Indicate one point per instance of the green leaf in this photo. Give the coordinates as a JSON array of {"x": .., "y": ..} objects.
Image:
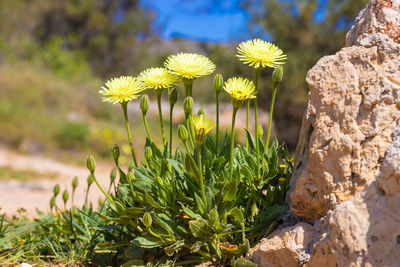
[
  {"x": 237, "y": 214},
  {"x": 191, "y": 168},
  {"x": 175, "y": 247},
  {"x": 244, "y": 263},
  {"x": 150, "y": 200},
  {"x": 229, "y": 191},
  {"x": 199, "y": 228},
  {"x": 190, "y": 213},
  {"x": 134, "y": 262},
  {"x": 197, "y": 246},
  {"x": 148, "y": 242},
  {"x": 200, "y": 204}
]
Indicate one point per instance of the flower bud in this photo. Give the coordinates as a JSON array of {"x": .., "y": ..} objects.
[
  {"x": 52, "y": 202},
  {"x": 75, "y": 183},
  {"x": 173, "y": 96},
  {"x": 113, "y": 175},
  {"x": 65, "y": 196},
  {"x": 200, "y": 136},
  {"x": 218, "y": 83},
  {"x": 131, "y": 165},
  {"x": 182, "y": 133},
  {"x": 56, "y": 189},
  {"x": 148, "y": 153},
  {"x": 130, "y": 176},
  {"x": 90, "y": 180},
  {"x": 260, "y": 131},
  {"x": 115, "y": 153},
  {"x": 147, "y": 220},
  {"x": 144, "y": 104},
  {"x": 90, "y": 164},
  {"x": 277, "y": 75},
  {"x": 188, "y": 105},
  {"x": 201, "y": 112}
]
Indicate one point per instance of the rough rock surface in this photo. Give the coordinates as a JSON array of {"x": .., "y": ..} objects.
[
  {"x": 284, "y": 248},
  {"x": 346, "y": 179}
]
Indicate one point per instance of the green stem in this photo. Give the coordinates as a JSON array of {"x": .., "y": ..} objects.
[
  {"x": 247, "y": 122},
  {"x": 217, "y": 114},
  {"x": 101, "y": 189},
  {"x": 188, "y": 126},
  {"x": 128, "y": 130},
  {"x": 256, "y": 73},
  {"x": 171, "y": 109},
  {"x": 186, "y": 147},
  {"x": 203, "y": 194},
  {"x": 147, "y": 128},
  {"x": 270, "y": 116},
  {"x": 158, "y": 93},
  {"x": 188, "y": 84},
  {"x": 232, "y": 141}
]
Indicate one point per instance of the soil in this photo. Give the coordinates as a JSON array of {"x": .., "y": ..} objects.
[{"x": 37, "y": 193}]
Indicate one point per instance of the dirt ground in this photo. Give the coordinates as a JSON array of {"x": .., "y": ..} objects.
[{"x": 37, "y": 193}]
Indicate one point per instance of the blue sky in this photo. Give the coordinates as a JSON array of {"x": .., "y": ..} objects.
[{"x": 206, "y": 20}]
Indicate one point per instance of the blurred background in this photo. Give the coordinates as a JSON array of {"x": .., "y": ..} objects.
[{"x": 56, "y": 55}]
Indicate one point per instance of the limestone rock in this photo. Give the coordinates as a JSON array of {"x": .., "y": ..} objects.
[
  {"x": 353, "y": 108},
  {"x": 284, "y": 247},
  {"x": 380, "y": 16}
]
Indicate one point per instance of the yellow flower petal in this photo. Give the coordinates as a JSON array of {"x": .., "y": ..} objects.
[
  {"x": 189, "y": 66},
  {"x": 240, "y": 88},
  {"x": 259, "y": 54},
  {"x": 122, "y": 89},
  {"x": 202, "y": 125},
  {"x": 158, "y": 78}
]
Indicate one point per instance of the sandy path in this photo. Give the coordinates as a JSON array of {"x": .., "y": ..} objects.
[{"x": 36, "y": 194}]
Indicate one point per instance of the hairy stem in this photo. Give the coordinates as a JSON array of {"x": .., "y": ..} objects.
[
  {"x": 147, "y": 128},
  {"x": 203, "y": 194},
  {"x": 270, "y": 116},
  {"x": 158, "y": 93},
  {"x": 232, "y": 141},
  {"x": 256, "y": 73}
]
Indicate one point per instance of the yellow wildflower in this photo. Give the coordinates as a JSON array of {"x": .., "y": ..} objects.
[
  {"x": 202, "y": 125},
  {"x": 283, "y": 166},
  {"x": 240, "y": 88},
  {"x": 189, "y": 66},
  {"x": 259, "y": 54},
  {"x": 158, "y": 78},
  {"x": 122, "y": 89}
]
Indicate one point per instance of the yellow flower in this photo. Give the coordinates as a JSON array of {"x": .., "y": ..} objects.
[
  {"x": 158, "y": 78},
  {"x": 240, "y": 88},
  {"x": 202, "y": 125},
  {"x": 189, "y": 66},
  {"x": 282, "y": 166},
  {"x": 259, "y": 54},
  {"x": 122, "y": 89}
]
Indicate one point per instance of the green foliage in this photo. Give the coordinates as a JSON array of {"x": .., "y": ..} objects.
[
  {"x": 73, "y": 135},
  {"x": 160, "y": 214}
]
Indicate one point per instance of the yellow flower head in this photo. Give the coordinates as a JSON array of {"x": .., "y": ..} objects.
[
  {"x": 122, "y": 89},
  {"x": 189, "y": 66},
  {"x": 158, "y": 78},
  {"x": 283, "y": 166},
  {"x": 202, "y": 125},
  {"x": 240, "y": 88},
  {"x": 259, "y": 54}
]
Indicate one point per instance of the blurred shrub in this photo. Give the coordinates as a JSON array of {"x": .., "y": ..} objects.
[{"x": 73, "y": 135}]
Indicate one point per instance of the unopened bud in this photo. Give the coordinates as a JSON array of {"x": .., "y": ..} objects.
[
  {"x": 201, "y": 112},
  {"x": 90, "y": 164},
  {"x": 113, "y": 175},
  {"x": 173, "y": 96},
  {"x": 277, "y": 75},
  {"x": 188, "y": 105},
  {"x": 130, "y": 176},
  {"x": 90, "y": 180},
  {"x": 147, "y": 220},
  {"x": 148, "y": 153},
  {"x": 131, "y": 165},
  {"x": 115, "y": 153},
  {"x": 182, "y": 133},
  {"x": 65, "y": 196},
  {"x": 218, "y": 83},
  {"x": 52, "y": 202},
  {"x": 260, "y": 131},
  {"x": 144, "y": 104},
  {"x": 56, "y": 190},
  {"x": 75, "y": 183}
]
